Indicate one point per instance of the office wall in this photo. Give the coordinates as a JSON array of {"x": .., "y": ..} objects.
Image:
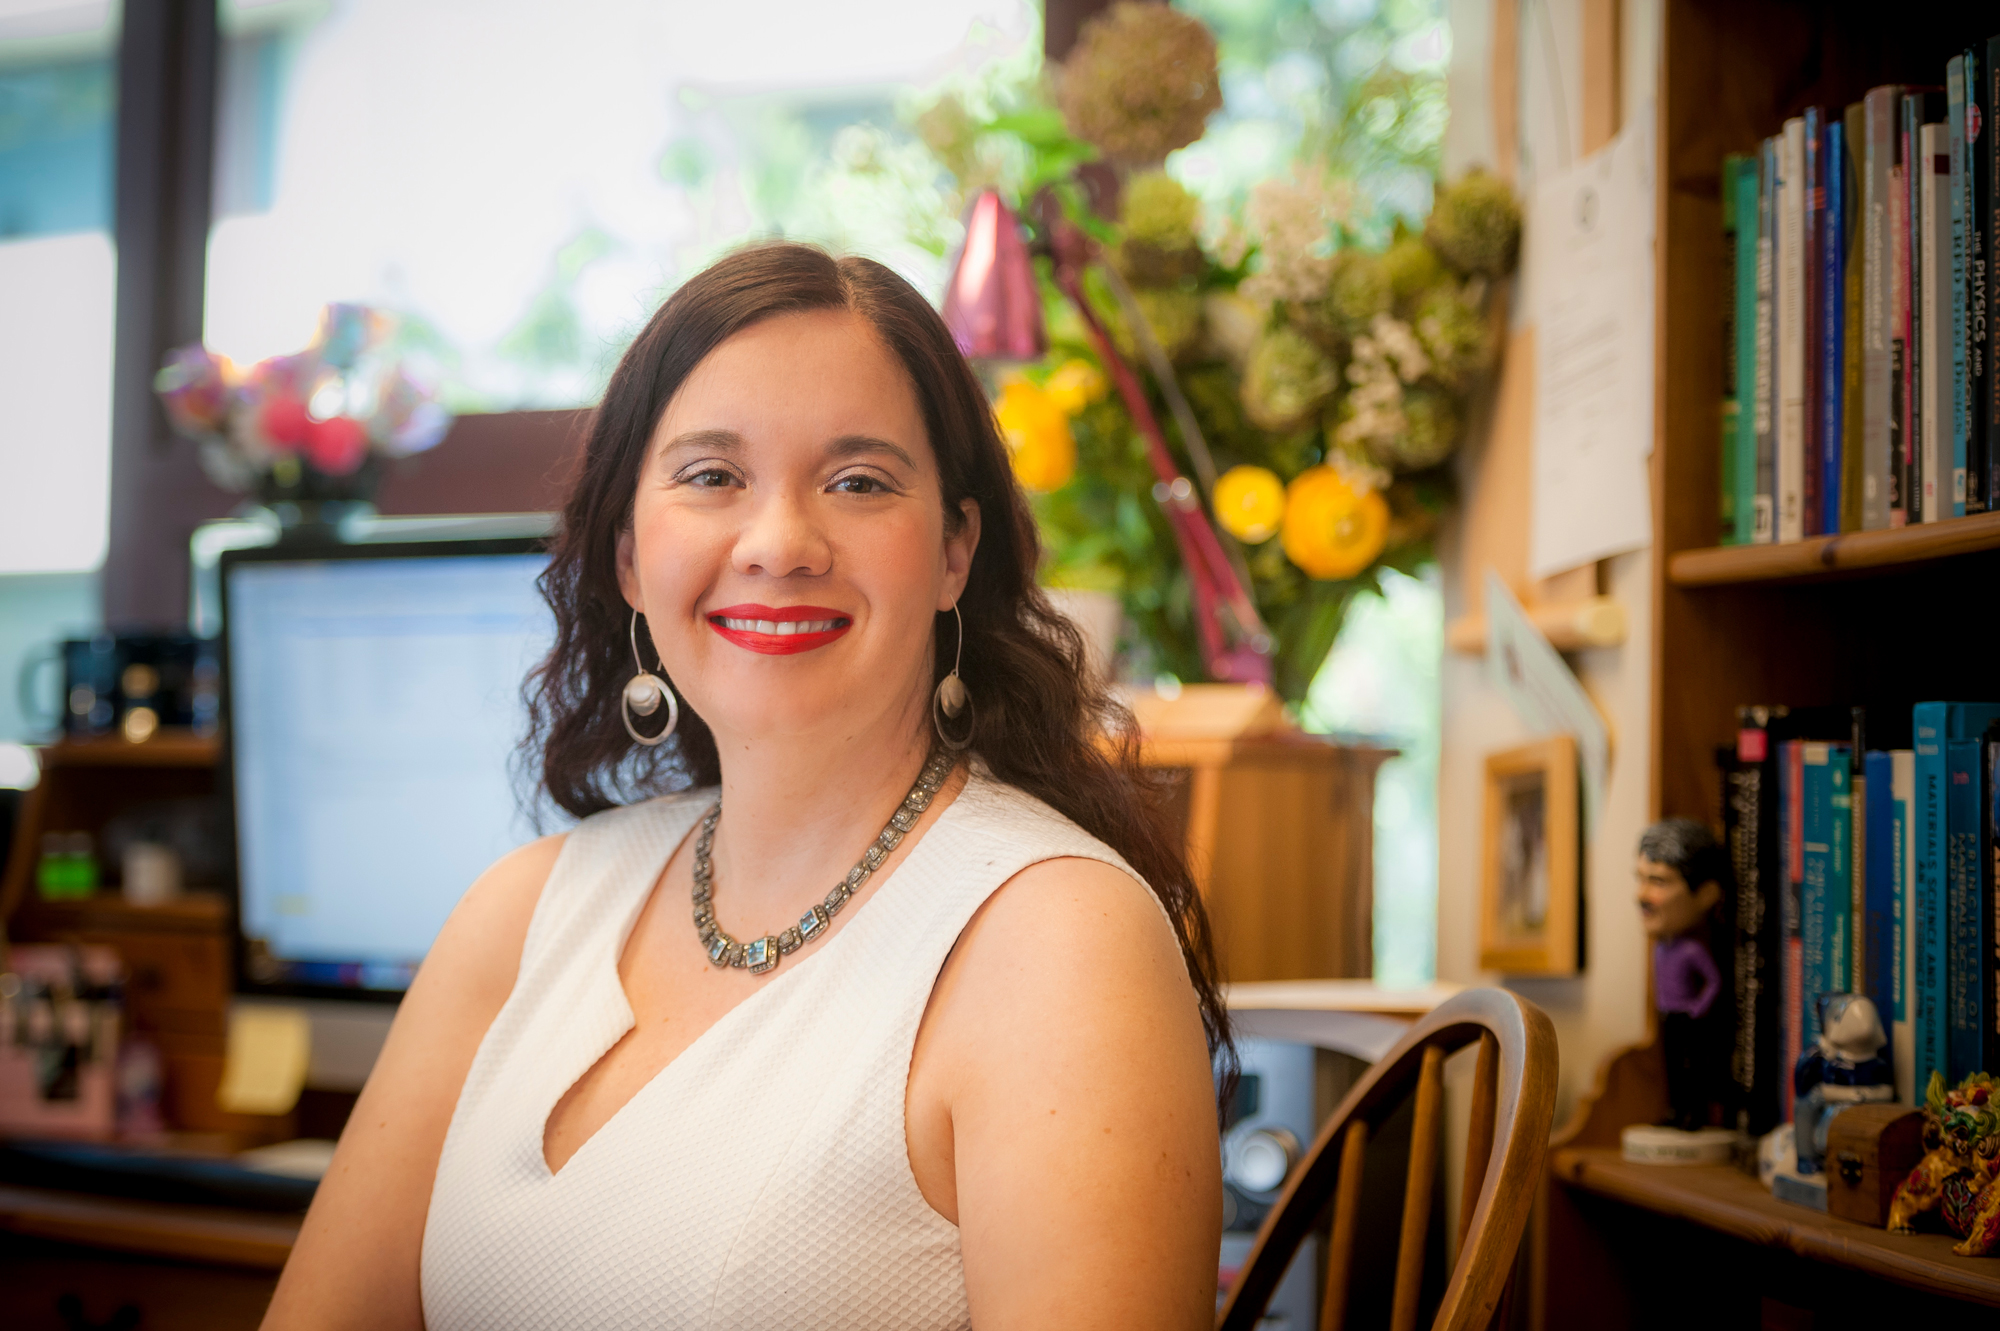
[{"x": 1604, "y": 1007}]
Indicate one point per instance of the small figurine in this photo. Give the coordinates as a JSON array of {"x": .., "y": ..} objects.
[
  {"x": 1844, "y": 1068},
  {"x": 1957, "y": 1178},
  {"x": 1683, "y": 873}
]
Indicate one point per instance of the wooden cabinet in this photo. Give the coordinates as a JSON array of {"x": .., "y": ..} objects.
[
  {"x": 1280, "y": 832},
  {"x": 178, "y": 959}
]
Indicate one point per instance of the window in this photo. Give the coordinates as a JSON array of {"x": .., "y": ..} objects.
[
  {"x": 522, "y": 183},
  {"x": 58, "y": 94}
]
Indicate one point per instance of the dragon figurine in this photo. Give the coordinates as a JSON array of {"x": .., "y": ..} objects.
[{"x": 1959, "y": 1176}]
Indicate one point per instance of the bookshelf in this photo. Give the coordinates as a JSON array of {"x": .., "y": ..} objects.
[
  {"x": 1880, "y": 618},
  {"x": 1917, "y": 550},
  {"x": 1884, "y": 619}
]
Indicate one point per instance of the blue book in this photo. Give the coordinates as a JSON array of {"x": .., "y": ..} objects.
[
  {"x": 1935, "y": 724},
  {"x": 1964, "y": 968},
  {"x": 1841, "y": 940},
  {"x": 1832, "y": 326},
  {"x": 1824, "y": 891},
  {"x": 1989, "y": 893},
  {"x": 1878, "y": 932}
]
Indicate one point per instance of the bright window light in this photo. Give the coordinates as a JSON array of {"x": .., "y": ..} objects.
[{"x": 55, "y": 402}]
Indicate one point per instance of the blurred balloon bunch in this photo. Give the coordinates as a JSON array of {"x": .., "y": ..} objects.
[
  {"x": 1322, "y": 359},
  {"x": 311, "y": 425}
]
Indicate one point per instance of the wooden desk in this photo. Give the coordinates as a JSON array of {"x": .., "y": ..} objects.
[{"x": 185, "y": 1268}]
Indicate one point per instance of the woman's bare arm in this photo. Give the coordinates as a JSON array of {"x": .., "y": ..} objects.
[
  {"x": 356, "y": 1262},
  {"x": 1062, "y": 1110}
]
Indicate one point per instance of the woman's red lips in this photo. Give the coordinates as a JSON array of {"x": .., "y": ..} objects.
[{"x": 779, "y": 630}]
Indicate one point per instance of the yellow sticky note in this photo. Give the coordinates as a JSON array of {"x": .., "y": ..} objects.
[{"x": 264, "y": 1068}]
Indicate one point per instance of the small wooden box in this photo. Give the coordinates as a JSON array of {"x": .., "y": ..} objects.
[{"x": 1870, "y": 1150}]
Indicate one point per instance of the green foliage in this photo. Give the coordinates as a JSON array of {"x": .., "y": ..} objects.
[{"x": 1260, "y": 321}]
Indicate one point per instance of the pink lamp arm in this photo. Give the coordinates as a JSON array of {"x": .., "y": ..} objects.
[{"x": 1210, "y": 575}]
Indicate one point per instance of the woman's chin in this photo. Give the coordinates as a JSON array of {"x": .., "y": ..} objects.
[{"x": 764, "y": 716}]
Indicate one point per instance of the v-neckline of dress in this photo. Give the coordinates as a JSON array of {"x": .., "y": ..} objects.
[{"x": 608, "y": 980}]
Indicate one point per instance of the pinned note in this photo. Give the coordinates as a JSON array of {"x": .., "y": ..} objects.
[{"x": 264, "y": 1067}]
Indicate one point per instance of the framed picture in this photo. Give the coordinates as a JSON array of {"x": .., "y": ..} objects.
[{"x": 1530, "y": 889}]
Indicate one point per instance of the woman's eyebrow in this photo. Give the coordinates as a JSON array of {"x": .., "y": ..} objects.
[
  {"x": 850, "y": 445},
  {"x": 726, "y": 440}
]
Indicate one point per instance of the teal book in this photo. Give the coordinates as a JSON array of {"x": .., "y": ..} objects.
[
  {"x": 1749, "y": 385},
  {"x": 1935, "y": 724},
  {"x": 1732, "y": 364},
  {"x": 1826, "y": 923},
  {"x": 1966, "y": 1007}
]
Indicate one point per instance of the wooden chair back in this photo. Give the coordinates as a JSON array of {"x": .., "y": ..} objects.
[{"x": 1513, "y": 1104}]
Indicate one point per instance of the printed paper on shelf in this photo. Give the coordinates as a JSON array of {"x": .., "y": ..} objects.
[
  {"x": 1590, "y": 294},
  {"x": 1542, "y": 690}
]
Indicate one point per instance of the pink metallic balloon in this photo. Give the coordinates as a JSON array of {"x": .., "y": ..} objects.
[{"x": 992, "y": 305}]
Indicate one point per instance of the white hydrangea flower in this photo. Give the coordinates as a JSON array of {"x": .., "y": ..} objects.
[{"x": 1292, "y": 223}]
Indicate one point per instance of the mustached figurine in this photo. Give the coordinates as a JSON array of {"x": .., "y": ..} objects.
[{"x": 1683, "y": 879}]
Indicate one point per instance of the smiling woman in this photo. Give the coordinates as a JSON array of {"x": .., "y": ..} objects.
[{"x": 598, "y": 1108}]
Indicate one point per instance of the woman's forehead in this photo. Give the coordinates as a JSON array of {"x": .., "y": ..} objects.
[{"x": 809, "y": 376}]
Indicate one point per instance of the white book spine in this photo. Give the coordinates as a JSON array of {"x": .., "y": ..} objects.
[
  {"x": 1791, "y": 321},
  {"x": 1935, "y": 155},
  {"x": 1903, "y": 1031}
]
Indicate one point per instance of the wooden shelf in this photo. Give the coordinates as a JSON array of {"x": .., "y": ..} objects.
[
  {"x": 168, "y": 748},
  {"x": 1834, "y": 556},
  {"x": 197, "y": 911},
  {"x": 1734, "y": 1203}
]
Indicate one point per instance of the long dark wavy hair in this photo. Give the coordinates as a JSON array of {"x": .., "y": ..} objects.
[{"x": 1041, "y": 720}]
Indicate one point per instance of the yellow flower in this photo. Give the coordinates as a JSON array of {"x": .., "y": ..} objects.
[
  {"x": 1249, "y": 502},
  {"x": 1039, "y": 442},
  {"x": 1075, "y": 385},
  {"x": 1333, "y": 530}
]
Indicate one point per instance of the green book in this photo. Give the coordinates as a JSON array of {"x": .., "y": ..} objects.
[{"x": 1738, "y": 471}]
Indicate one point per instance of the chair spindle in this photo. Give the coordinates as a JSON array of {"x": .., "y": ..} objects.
[
  {"x": 1479, "y": 1137},
  {"x": 1346, "y": 1218},
  {"x": 1417, "y": 1191}
]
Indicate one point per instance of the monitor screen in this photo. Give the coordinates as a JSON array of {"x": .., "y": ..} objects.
[{"x": 373, "y": 699}]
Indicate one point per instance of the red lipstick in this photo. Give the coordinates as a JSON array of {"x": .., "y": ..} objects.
[{"x": 779, "y": 630}]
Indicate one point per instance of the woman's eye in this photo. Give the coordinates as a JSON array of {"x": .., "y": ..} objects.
[
  {"x": 710, "y": 478},
  {"x": 860, "y": 484}
]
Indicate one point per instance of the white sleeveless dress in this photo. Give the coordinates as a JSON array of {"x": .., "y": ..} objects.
[{"x": 762, "y": 1178}]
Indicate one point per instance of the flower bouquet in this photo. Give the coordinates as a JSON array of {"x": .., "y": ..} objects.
[
  {"x": 307, "y": 429},
  {"x": 1314, "y": 384}
]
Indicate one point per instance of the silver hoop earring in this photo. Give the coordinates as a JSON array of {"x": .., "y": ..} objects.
[
  {"x": 642, "y": 695},
  {"x": 951, "y": 697}
]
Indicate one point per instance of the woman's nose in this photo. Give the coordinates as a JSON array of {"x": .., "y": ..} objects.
[{"x": 782, "y": 539}]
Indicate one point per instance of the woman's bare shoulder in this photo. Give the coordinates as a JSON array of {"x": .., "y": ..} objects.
[
  {"x": 1064, "y": 940},
  {"x": 480, "y": 945}
]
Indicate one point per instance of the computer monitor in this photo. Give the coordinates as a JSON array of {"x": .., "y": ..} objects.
[{"x": 372, "y": 708}]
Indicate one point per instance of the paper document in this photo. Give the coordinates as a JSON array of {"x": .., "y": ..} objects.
[
  {"x": 264, "y": 1066},
  {"x": 1590, "y": 294},
  {"x": 1543, "y": 691}
]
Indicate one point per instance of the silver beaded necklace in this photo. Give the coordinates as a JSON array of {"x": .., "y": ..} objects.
[{"x": 760, "y": 956}]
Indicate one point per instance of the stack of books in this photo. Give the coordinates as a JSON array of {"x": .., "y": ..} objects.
[
  {"x": 1858, "y": 389},
  {"x": 1867, "y": 870}
]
